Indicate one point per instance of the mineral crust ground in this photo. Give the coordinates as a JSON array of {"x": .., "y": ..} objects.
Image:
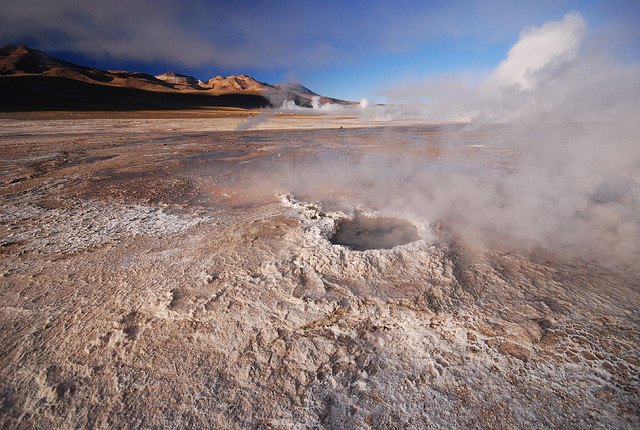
[{"x": 158, "y": 272}]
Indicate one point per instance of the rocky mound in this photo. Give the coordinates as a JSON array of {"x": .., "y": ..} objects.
[
  {"x": 236, "y": 83},
  {"x": 177, "y": 78}
]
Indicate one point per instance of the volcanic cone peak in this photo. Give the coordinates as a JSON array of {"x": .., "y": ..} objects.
[
  {"x": 296, "y": 88},
  {"x": 12, "y": 50},
  {"x": 177, "y": 78},
  {"x": 21, "y": 59}
]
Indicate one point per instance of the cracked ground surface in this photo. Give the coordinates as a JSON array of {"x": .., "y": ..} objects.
[{"x": 143, "y": 284}]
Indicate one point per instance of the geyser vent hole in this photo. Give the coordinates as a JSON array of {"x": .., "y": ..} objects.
[{"x": 364, "y": 233}]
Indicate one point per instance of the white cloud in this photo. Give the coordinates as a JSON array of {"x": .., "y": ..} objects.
[
  {"x": 538, "y": 48},
  {"x": 557, "y": 72}
]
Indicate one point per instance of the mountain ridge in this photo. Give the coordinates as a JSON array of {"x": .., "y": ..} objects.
[{"x": 22, "y": 61}]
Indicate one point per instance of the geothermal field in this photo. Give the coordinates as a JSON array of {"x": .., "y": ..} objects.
[{"x": 317, "y": 271}]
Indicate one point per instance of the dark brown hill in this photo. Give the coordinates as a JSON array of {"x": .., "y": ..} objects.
[{"x": 31, "y": 80}]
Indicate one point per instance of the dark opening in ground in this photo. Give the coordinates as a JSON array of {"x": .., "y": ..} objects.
[{"x": 363, "y": 233}]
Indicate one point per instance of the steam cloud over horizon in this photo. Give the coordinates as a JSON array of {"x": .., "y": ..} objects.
[
  {"x": 553, "y": 73},
  {"x": 555, "y": 132}
]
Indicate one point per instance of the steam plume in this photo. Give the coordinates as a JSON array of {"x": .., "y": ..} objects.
[{"x": 556, "y": 159}]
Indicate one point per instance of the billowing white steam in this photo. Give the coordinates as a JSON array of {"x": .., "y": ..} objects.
[
  {"x": 253, "y": 120},
  {"x": 554, "y": 73},
  {"x": 570, "y": 132},
  {"x": 539, "y": 48},
  {"x": 316, "y": 107}
]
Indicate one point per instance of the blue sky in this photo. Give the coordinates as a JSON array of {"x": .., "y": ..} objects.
[{"x": 349, "y": 49}]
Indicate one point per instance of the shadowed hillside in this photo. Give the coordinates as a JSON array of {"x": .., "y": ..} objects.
[
  {"x": 43, "y": 93},
  {"x": 32, "y": 80}
]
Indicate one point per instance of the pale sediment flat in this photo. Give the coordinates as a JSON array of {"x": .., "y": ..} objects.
[
  {"x": 204, "y": 121},
  {"x": 159, "y": 273}
]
